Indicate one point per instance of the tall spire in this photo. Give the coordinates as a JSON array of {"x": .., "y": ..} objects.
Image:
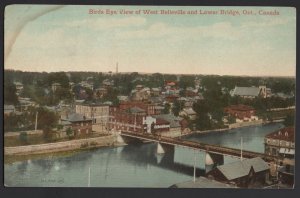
[{"x": 117, "y": 68}]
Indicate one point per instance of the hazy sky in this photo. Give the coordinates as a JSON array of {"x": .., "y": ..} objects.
[{"x": 68, "y": 38}]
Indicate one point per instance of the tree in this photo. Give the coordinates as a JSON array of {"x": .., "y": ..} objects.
[
  {"x": 23, "y": 138},
  {"x": 289, "y": 120},
  {"x": 177, "y": 107},
  {"x": 167, "y": 108},
  {"x": 10, "y": 96},
  {"x": 70, "y": 132}
]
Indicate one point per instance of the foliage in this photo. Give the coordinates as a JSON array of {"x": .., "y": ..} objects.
[
  {"x": 177, "y": 107},
  {"x": 23, "y": 137},
  {"x": 10, "y": 96},
  {"x": 289, "y": 120},
  {"x": 167, "y": 108}
]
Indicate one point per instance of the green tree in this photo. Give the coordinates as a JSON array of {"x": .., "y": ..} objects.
[
  {"x": 10, "y": 96},
  {"x": 289, "y": 120},
  {"x": 167, "y": 108}
]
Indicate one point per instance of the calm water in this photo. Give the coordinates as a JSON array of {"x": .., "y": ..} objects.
[{"x": 129, "y": 166}]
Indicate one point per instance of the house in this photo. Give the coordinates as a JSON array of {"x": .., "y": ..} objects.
[
  {"x": 245, "y": 173},
  {"x": 155, "y": 91},
  {"x": 188, "y": 112},
  {"x": 55, "y": 86},
  {"x": 99, "y": 113},
  {"x": 19, "y": 87},
  {"x": 241, "y": 112},
  {"x": 286, "y": 172},
  {"x": 174, "y": 122},
  {"x": 80, "y": 124},
  {"x": 250, "y": 92},
  {"x": 281, "y": 142},
  {"x": 9, "y": 109},
  {"x": 87, "y": 84},
  {"x": 100, "y": 92}
]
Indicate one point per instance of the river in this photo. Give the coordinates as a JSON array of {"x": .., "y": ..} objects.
[{"x": 130, "y": 166}]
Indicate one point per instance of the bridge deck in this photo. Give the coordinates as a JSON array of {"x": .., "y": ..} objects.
[{"x": 200, "y": 146}]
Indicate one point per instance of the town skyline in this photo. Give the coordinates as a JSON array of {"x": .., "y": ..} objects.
[{"x": 68, "y": 38}]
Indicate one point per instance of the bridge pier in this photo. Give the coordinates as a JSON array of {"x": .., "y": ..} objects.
[
  {"x": 163, "y": 148},
  {"x": 212, "y": 160},
  {"x": 126, "y": 140}
]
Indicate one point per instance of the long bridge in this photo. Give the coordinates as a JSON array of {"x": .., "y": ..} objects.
[{"x": 216, "y": 152}]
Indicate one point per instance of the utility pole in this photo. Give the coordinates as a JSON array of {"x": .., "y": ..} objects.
[
  {"x": 89, "y": 181},
  {"x": 194, "y": 166},
  {"x": 36, "y": 117},
  {"x": 241, "y": 148}
]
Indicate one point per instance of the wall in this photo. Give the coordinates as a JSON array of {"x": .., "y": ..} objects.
[
  {"x": 61, "y": 146},
  {"x": 243, "y": 124}
]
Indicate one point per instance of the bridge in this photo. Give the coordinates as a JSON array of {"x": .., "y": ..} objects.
[{"x": 215, "y": 152}]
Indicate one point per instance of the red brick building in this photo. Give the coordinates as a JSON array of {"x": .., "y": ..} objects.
[
  {"x": 80, "y": 124},
  {"x": 150, "y": 109},
  {"x": 240, "y": 111},
  {"x": 135, "y": 119}
]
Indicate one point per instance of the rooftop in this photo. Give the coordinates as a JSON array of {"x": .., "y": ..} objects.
[
  {"x": 242, "y": 168},
  {"x": 173, "y": 120},
  {"x": 246, "y": 91},
  {"x": 287, "y": 134}
]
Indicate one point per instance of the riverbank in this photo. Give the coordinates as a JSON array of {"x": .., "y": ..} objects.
[{"x": 233, "y": 126}]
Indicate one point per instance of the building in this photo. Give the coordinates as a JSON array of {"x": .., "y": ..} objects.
[
  {"x": 245, "y": 173},
  {"x": 174, "y": 122},
  {"x": 286, "y": 172},
  {"x": 99, "y": 113},
  {"x": 87, "y": 84},
  {"x": 281, "y": 142},
  {"x": 188, "y": 112},
  {"x": 19, "y": 87},
  {"x": 127, "y": 120},
  {"x": 100, "y": 92},
  {"x": 9, "y": 109},
  {"x": 155, "y": 92},
  {"x": 80, "y": 124},
  {"x": 250, "y": 92},
  {"x": 135, "y": 119},
  {"x": 55, "y": 86},
  {"x": 150, "y": 108},
  {"x": 241, "y": 112}
]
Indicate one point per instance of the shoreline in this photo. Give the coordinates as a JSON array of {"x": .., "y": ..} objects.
[
  {"x": 71, "y": 146},
  {"x": 21, "y": 153},
  {"x": 227, "y": 129}
]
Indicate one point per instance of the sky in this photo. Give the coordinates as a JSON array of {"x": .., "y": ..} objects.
[{"x": 67, "y": 38}]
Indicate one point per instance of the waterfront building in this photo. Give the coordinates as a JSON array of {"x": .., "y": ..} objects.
[
  {"x": 80, "y": 124},
  {"x": 99, "y": 113},
  {"x": 135, "y": 119},
  {"x": 281, "y": 143},
  {"x": 241, "y": 112},
  {"x": 246, "y": 173}
]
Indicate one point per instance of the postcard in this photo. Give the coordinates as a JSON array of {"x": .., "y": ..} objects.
[{"x": 149, "y": 96}]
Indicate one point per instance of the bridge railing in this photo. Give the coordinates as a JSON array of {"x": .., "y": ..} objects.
[{"x": 203, "y": 146}]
